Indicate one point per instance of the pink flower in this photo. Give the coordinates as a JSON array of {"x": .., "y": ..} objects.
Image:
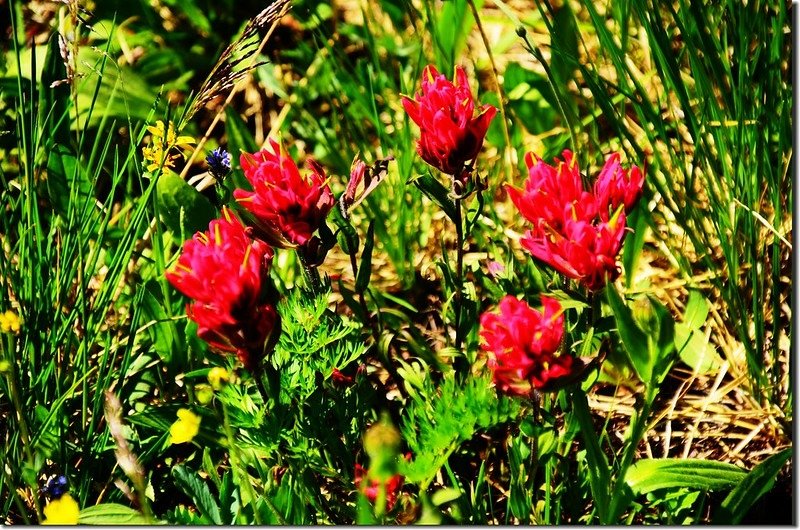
[
  {"x": 371, "y": 489},
  {"x": 451, "y": 133},
  {"x": 223, "y": 271},
  {"x": 577, "y": 232},
  {"x": 523, "y": 346},
  {"x": 288, "y": 207},
  {"x": 616, "y": 186}
]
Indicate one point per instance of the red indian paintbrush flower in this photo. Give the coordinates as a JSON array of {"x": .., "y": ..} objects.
[
  {"x": 288, "y": 207},
  {"x": 577, "y": 232},
  {"x": 523, "y": 345},
  {"x": 224, "y": 271},
  {"x": 451, "y": 134},
  {"x": 372, "y": 486},
  {"x": 616, "y": 186}
]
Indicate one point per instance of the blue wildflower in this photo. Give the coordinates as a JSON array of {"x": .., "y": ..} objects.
[
  {"x": 219, "y": 163},
  {"x": 56, "y": 486}
]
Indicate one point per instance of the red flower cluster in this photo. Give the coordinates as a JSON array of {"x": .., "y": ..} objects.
[
  {"x": 578, "y": 232},
  {"x": 224, "y": 271},
  {"x": 371, "y": 490},
  {"x": 288, "y": 207},
  {"x": 523, "y": 346},
  {"x": 450, "y": 132}
]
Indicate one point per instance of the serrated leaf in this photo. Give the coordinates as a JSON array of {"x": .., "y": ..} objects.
[
  {"x": 658, "y": 473},
  {"x": 112, "y": 514},
  {"x": 759, "y": 481},
  {"x": 194, "y": 487}
]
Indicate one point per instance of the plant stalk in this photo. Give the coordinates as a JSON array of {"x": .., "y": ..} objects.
[{"x": 459, "y": 271}]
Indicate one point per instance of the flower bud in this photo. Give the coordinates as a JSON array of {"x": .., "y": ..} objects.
[
  {"x": 382, "y": 443},
  {"x": 218, "y": 377}
]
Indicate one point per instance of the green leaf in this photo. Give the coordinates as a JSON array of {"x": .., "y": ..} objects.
[
  {"x": 564, "y": 41},
  {"x": 598, "y": 469},
  {"x": 691, "y": 342},
  {"x": 365, "y": 268},
  {"x": 759, "y": 481},
  {"x": 662, "y": 349},
  {"x": 696, "y": 310},
  {"x": 634, "y": 340},
  {"x": 695, "y": 350},
  {"x": 112, "y": 514},
  {"x": 658, "y": 473},
  {"x": 452, "y": 27},
  {"x": 634, "y": 243},
  {"x": 194, "y": 14},
  {"x": 198, "y": 490},
  {"x": 168, "y": 340},
  {"x": 54, "y": 98},
  {"x": 364, "y": 513},
  {"x": 183, "y": 209},
  {"x": 519, "y": 497},
  {"x": 67, "y": 181},
  {"x": 435, "y": 191},
  {"x": 445, "y": 495},
  {"x": 648, "y": 335}
]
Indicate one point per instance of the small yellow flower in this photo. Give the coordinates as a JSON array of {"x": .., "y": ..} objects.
[
  {"x": 10, "y": 322},
  {"x": 161, "y": 151},
  {"x": 62, "y": 511},
  {"x": 186, "y": 428},
  {"x": 218, "y": 377}
]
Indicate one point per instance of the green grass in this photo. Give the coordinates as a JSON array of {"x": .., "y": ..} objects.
[
  {"x": 702, "y": 94},
  {"x": 718, "y": 144}
]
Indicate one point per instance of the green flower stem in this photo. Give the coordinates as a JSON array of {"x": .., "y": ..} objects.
[
  {"x": 261, "y": 388},
  {"x": 376, "y": 331},
  {"x": 313, "y": 280},
  {"x": 534, "y": 466},
  {"x": 635, "y": 434},
  {"x": 442, "y": 460},
  {"x": 24, "y": 431},
  {"x": 23, "y": 510},
  {"x": 233, "y": 456},
  {"x": 459, "y": 271},
  {"x": 599, "y": 478},
  {"x": 360, "y": 292}
]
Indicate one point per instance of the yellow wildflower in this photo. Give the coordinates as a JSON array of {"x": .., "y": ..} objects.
[
  {"x": 10, "y": 322},
  {"x": 186, "y": 428},
  {"x": 161, "y": 153},
  {"x": 63, "y": 510},
  {"x": 218, "y": 377}
]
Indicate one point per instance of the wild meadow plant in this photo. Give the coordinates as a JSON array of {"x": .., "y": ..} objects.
[{"x": 223, "y": 347}]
